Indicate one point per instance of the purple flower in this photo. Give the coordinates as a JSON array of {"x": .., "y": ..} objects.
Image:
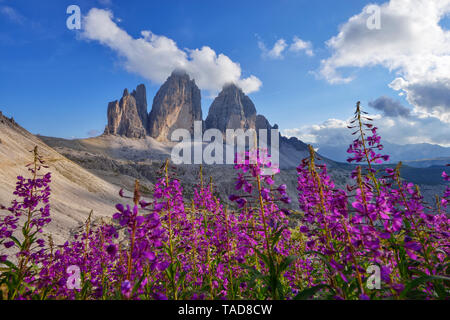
[
  {"x": 268, "y": 180},
  {"x": 125, "y": 287},
  {"x": 286, "y": 200},
  {"x": 265, "y": 194},
  {"x": 159, "y": 296},
  {"x": 241, "y": 202},
  {"x": 282, "y": 189},
  {"x": 150, "y": 255},
  {"x": 8, "y": 244},
  {"x": 111, "y": 249},
  {"x": 335, "y": 265},
  {"x": 385, "y": 274},
  {"x": 413, "y": 245},
  {"x": 161, "y": 266},
  {"x": 248, "y": 187},
  {"x": 399, "y": 287}
]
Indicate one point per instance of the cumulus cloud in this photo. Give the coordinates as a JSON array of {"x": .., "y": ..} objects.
[
  {"x": 331, "y": 131},
  {"x": 400, "y": 130},
  {"x": 390, "y": 107},
  {"x": 300, "y": 45},
  {"x": 430, "y": 97},
  {"x": 280, "y": 46},
  {"x": 411, "y": 42},
  {"x": 277, "y": 50},
  {"x": 155, "y": 56}
]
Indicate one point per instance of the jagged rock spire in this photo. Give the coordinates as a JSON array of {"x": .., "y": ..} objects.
[
  {"x": 177, "y": 104},
  {"x": 128, "y": 116}
]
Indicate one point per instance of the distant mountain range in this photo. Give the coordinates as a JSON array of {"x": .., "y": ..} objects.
[{"x": 418, "y": 155}]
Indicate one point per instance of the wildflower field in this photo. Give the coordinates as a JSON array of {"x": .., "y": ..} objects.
[{"x": 375, "y": 239}]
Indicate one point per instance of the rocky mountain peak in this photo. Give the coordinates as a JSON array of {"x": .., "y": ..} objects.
[
  {"x": 128, "y": 116},
  {"x": 232, "y": 109},
  {"x": 140, "y": 95},
  {"x": 177, "y": 105}
]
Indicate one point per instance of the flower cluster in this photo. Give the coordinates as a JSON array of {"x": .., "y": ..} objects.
[{"x": 253, "y": 246}]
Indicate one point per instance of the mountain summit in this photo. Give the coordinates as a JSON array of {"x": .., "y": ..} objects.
[
  {"x": 232, "y": 109},
  {"x": 177, "y": 104},
  {"x": 128, "y": 116}
]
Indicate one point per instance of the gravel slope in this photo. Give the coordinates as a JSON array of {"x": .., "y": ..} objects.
[{"x": 75, "y": 191}]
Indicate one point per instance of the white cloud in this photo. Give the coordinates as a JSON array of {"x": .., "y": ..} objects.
[
  {"x": 328, "y": 132},
  {"x": 410, "y": 42},
  {"x": 300, "y": 45},
  {"x": 155, "y": 56},
  {"x": 400, "y": 130},
  {"x": 277, "y": 50},
  {"x": 281, "y": 45}
]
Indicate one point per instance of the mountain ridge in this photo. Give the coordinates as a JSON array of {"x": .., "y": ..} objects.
[
  {"x": 413, "y": 154},
  {"x": 177, "y": 104}
]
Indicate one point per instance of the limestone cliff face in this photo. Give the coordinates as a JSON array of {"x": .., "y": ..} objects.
[
  {"x": 262, "y": 123},
  {"x": 126, "y": 117},
  {"x": 140, "y": 95},
  {"x": 232, "y": 109},
  {"x": 176, "y": 105}
]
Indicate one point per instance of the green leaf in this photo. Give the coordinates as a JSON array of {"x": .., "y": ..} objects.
[
  {"x": 84, "y": 290},
  {"x": 276, "y": 237},
  {"x": 10, "y": 264},
  {"x": 286, "y": 263},
  {"x": 308, "y": 293},
  {"x": 255, "y": 273},
  {"x": 16, "y": 241},
  {"x": 138, "y": 283},
  {"x": 418, "y": 281},
  {"x": 263, "y": 257},
  {"x": 321, "y": 256}
]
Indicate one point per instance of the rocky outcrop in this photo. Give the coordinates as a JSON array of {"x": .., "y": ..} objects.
[
  {"x": 232, "y": 109},
  {"x": 128, "y": 117},
  {"x": 177, "y": 105},
  {"x": 294, "y": 142},
  {"x": 262, "y": 123},
  {"x": 140, "y": 95}
]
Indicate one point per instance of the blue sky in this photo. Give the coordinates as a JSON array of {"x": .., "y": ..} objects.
[{"x": 57, "y": 82}]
